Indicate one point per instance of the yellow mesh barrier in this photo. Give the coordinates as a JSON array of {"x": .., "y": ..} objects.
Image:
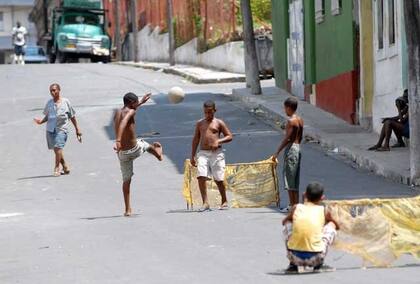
[
  {"x": 378, "y": 230},
  {"x": 248, "y": 185}
]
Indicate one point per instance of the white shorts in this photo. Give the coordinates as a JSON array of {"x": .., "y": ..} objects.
[{"x": 211, "y": 164}]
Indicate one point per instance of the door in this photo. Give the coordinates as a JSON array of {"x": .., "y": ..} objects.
[
  {"x": 296, "y": 48},
  {"x": 388, "y": 83}
]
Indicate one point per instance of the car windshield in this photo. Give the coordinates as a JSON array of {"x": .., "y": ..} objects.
[
  {"x": 82, "y": 19},
  {"x": 34, "y": 51}
]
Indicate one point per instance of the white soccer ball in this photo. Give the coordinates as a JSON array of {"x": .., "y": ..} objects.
[{"x": 176, "y": 95}]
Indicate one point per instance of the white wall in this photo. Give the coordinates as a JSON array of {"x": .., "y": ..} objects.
[
  {"x": 153, "y": 46},
  {"x": 388, "y": 83}
]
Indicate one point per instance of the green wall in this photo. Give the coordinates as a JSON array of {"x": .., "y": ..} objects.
[
  {"x": 280, "y": 34},
  {"x": 334, "y": 42},
  {"x": 309, "y": 41}
]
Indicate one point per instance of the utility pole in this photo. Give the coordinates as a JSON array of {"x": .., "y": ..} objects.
[
  {"x": 412, "y": 27},
  {"x": 134, "y": 29},
  {"x": 117, "y": 29},
  {"x": 169, "y": 12},
  {"x": 251, "y": 63}
]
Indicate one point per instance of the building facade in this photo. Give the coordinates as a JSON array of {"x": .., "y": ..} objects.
[
  {"x": 12, "y": 11},
  {"x": 346, "y": 57}
]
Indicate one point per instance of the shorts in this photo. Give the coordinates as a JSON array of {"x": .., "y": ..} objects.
[
  {"x": 211, "y": 164},
  {"x": 56, "y": 139},
  {"x": 19, "y": 50},
  {"x": 291, "y": 167},
  {"x": 127, "y": 158},
  {"x": 308, "y": 258}
]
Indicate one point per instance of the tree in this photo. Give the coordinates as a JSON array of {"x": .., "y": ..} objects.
[
  {"x": 412, "y": 26},
  {"x": 251, "y": 63},
  {"x": 170, "y": 11},
  {"x": 134, "y": 30}
]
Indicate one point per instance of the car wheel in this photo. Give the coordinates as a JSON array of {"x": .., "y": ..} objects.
[{"x": 61, "y": 57}]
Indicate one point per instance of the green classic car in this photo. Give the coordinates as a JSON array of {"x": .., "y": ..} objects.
[{"x": 78, "y": 31}]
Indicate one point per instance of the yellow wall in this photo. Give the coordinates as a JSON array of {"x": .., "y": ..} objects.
[{"x": 366, "y": 58}]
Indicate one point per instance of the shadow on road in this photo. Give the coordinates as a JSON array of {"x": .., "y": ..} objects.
[
  {"x": 409, "y": 265},
  {"x": 109, "y": 217},
  {"x": 37, "y": 177}
]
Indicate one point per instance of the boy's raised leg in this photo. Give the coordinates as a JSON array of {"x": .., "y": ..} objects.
[{"x": 156, "y": 150}]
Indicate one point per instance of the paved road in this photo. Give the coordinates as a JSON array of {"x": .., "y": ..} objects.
[{"x": 69, "y": 229}]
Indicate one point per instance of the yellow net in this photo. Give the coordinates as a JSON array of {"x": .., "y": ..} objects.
[
  {"x": 378, "y": 230},
  {"x": 248, "y": 184}
]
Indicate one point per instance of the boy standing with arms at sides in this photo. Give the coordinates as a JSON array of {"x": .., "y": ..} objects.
[
  {"x": 292, "y": 155},
  {"x": 309, "y": 231},
  {"x": 127, "y": 146},
  {"x": 210, "y": 160}
]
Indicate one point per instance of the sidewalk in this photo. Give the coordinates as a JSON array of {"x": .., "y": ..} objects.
[
  {"x": 194, "y": 74},
  {"x": 340, "y": 137}
]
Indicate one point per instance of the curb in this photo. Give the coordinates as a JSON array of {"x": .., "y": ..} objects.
[
  {"x": 319, "y": 136},
  {"x": 186, "y": 75}
]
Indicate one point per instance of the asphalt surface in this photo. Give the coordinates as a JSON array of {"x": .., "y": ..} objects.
[{"x": 70, "y": 230}]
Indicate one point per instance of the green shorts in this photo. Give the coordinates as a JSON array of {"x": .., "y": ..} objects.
[{"x": 291, "y": 167}]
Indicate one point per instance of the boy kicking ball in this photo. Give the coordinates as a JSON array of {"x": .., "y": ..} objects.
[
  {"x": 309, "y": 231},
  {"x": 127, "y": 146}
]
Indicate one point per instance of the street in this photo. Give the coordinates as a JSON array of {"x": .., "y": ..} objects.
[{"x": 70, "y": 230}]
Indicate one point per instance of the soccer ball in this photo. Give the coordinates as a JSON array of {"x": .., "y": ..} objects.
[{"x": 176, "y": 95}]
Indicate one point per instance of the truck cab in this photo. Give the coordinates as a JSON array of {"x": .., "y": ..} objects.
[{"x": 78, "y": 31}]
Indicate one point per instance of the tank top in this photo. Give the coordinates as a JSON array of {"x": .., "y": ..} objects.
[{"x": 308, "y": 224}]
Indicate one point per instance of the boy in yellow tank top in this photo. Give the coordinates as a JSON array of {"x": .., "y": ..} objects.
[{"x": 309, "y": 230}]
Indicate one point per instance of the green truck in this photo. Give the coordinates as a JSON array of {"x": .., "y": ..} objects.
[{"x": 78, "y": 31}]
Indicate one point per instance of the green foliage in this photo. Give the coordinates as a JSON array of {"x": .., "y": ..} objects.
[{"x": 261, "y": 12}]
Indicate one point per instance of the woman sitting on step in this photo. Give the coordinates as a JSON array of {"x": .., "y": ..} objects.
[{"x": 399, "y": 124}]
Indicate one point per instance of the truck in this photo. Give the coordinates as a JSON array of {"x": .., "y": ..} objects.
[{"x": 73, "y": 29}]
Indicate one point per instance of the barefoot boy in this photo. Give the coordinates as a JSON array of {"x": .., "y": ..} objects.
[
  {"x": 292, "y": 155},
  {"x": 210, "y": 160},
  {"x": 128, "y": 146},
  {"x": 309, "y": 231}
]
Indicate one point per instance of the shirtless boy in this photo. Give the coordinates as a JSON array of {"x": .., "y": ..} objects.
[
  {"x": 292, "y": 155},
  {"x": 210, "y": 160},
  {"x": 127, "y": 146}
]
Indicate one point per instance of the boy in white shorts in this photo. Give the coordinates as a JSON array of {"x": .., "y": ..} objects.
[{"x": 210, "y": 160}]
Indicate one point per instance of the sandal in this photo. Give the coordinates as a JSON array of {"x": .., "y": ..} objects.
[
  {"x": 66, "y": 171},
  {"x": 56, "y": 174},
  {"x": 398, "y": 145}
]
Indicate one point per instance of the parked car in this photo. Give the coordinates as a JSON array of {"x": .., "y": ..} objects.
[{"x": 35, "y": 54}]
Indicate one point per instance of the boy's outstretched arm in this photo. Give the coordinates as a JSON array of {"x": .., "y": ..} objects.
[
  {"x": 120, "y": 129},
  {"x": 289, "y": 217},
  {"x": 286, "y": 140},
  {"x": 194, "y": 146},
  {"x": 329, "y": 218},
  {"x": 40, "y": 121},
  {"x": 144, "y": 99}
]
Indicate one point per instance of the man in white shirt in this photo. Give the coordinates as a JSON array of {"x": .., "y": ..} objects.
[{"x": 18, "y": 35}]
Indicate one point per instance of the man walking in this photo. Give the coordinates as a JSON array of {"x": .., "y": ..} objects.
[{"x": 19, "y": 40}]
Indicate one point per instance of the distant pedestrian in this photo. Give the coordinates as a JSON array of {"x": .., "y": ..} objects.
[
  {"x": 58, "y": 112},
  {"x": 292, "y": 154},
  {"x": 210, "y": 160},
  {"x": 19, "y": 33},
  {"x": 398, "y": 124},
  {"x": 127, "y": 146},
  {"x": 309, "y": 230}
]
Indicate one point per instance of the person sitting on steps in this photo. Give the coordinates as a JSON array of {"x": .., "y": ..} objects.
[{"x": 399, "y": 124}]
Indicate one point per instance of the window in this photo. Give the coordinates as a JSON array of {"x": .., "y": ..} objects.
[
  {"x": 336, "y": 6},
  {"x": 380, "y": 23},
  {"x": 319, "y": 11},
  {"x": 391, "y": 22},
  {"x": 1, "y": 22}
]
